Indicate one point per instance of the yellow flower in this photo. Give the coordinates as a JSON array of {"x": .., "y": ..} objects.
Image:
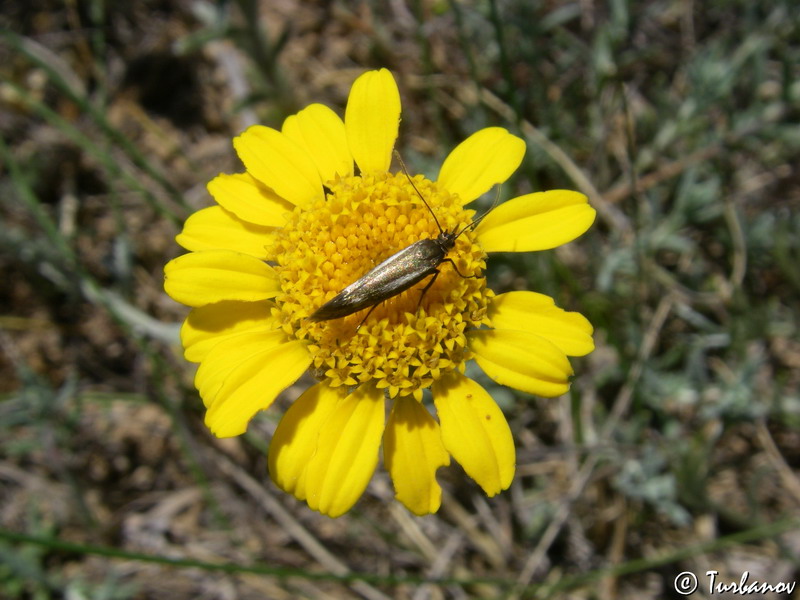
[{"x": 297, "y": 227}]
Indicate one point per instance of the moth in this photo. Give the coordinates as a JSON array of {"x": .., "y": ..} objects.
[{"x": 401, "y": 271}]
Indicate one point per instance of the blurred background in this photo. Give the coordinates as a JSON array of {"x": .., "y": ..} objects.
[{"x": 678, "y": 446}]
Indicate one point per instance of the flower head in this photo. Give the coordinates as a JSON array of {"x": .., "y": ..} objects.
[{"x": 299, "y": 226}]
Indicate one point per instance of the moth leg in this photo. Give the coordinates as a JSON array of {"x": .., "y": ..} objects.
[
  {"x": 427, "y": 287},
  {"x": 450, "y": 260},
  {"x": 369, "y": 312}
]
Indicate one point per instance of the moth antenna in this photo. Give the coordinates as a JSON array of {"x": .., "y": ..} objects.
[
  {"x": 479, "y": 219},
  {"x": 403, "y": 166}
]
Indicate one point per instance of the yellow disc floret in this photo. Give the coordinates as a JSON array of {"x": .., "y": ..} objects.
[{"x": 405, "y": 343}]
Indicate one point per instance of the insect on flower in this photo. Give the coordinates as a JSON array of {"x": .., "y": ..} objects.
[
  {"x": 399, "y": 272},
  {"x": 288, "y": 247}
]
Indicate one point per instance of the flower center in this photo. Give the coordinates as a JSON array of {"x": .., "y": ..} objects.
[{"x": 408, "y": 339}]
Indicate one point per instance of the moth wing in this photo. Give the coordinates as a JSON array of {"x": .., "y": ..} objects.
[{"x": 393, "y": 276}]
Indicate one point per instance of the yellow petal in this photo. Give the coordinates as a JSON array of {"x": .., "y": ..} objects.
[
  {"x": 412, "y": 452},
  {"x": 208, "y": 325},
  {"x": 227, "y": 355},
  {"x": 536, "y": 313},
  {"x": 535, "y": 222},
  {"x": 484, "y": 159},
  {"x": 521, "y": 360},
  {"x": 250, "y": 200},
  {"x": 347, "y": 452},
  {"x": 295, "y": 440},
  {"x": 253, "y": 384},
  {"x": 215, "y": 228},
  {"x": 372, "y": 119},
  {"x": 201, "y": 278},
  {"x": 279, "y": 163},
  {"x": 475, "y": 431},
  {"x": 321, "y": 133}
]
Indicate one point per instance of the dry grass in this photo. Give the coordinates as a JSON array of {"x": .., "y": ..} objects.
[{"x": 678, "y": 446}]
